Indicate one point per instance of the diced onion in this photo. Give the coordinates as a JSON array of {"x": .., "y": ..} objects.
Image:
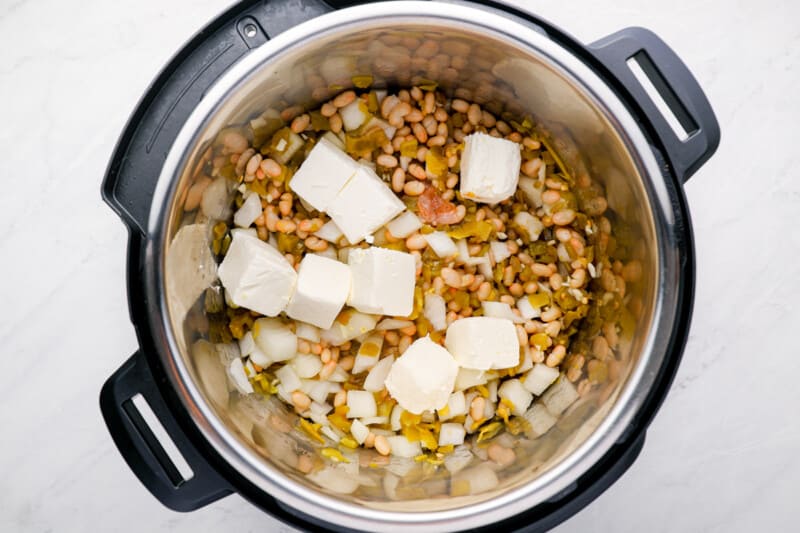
[
  {"x": 360, "y": 404},
  {"x": 559, "y": 396},
  {"x": 329, "y": 232},
  {"x": 359, "y": 431},
  {"x": 307, "y": 332},
  {"x": 239, "y": 377},
  {"x": 451, "y": 434},
  {"x": 353, "y": 115},
  {"x": 249, "y": 212},
  {"x": 275, "y": 339},
  {"x": 513, "y": 391},
  {"x": 404, "y": 225},
  {"x": 288, "y": 378},
  {"x": 539, "y": 419},
  {"x": 401, "y": 447},
  {"x": 499, "y": 250},
  {"x": 532, "y": 225},
  {"x": 377, "y": 376},
  {"x": 306, "y": 365},
  {"x": 539, "y": 378},
  {"x": 441, "y": 244},
  {"x": 458, "y": 460},
  {"x": 528, "y": 311},
  {"x": 501, "y": 310},
  {"x": 435, "y": 310},
  {"x": 463, "y": 250},
  {"x": 393, "y": 323}
]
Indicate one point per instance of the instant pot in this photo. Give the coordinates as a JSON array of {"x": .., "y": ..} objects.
[{"x": 274, "y": 53}]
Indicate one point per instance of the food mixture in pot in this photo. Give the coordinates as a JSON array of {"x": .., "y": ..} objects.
[{"x": 406, "y": 270}]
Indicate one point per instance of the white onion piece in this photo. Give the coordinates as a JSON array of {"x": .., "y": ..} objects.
[
  {"x": 393, "y": 323},
  {"x": 333, "y": 139},
  {"x": 451, "y": 434},
  {"x": 463, "y": 250},
  {"x": 539, "y": 419},
  {"x": 435, "y": 310},
  {"x": 377, "y": 420},
  {"x": 275, "y": 339},
  {"x": 361, "y": 404},
  {"x": 501, "y": 310},
  {"x": 404, "y": 225},
  {"x": 357, "y": 325},
  {"x": 377, "y": 376},
  {"x": 559, "y": 396},
  {"x": 532, "y": 225},
  {"x": 499, "y": 250},
  {"x": 288, "y": 378},
  {"x": 527, "y": 311},
  {"x": 239, "y": 377},
  {"x": 387, "y": 128},
  {"x": 513, "y": 391},
  {"x": 394, "y": 418},
  {"x": 249, "y": 212},
  {"x": 468, "y": 377},
  {"x": 533, "y": 194},
  {"x": 539, "y": 378},
  {"x": 401, "y": 447},
  {"x": 458, "y": 460},
  {"x": 353, "y": 114},
  {"x": 307, "y": 332},
  {"x": 456, "y": 406},
  {"x": 306, "y": 365},
  {"x": 359, "y": 431},
  {"x": 247, "y": 344},
  {"x": 441, "y": 244},
  {"x": 329, "y": 232},
  {"x": 368, "y": 353}
]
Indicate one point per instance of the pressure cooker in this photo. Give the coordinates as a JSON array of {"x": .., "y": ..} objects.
[{"x": 605, "y": 106}]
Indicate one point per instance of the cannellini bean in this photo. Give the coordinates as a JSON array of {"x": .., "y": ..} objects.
[
  {"x": 477, "y": 408},
  {"x": 414, "y": 188},
  {"x": 556, "y": 356},
  {"x": 501, "y": 455},
  {"x": 344, "y": 99},
  {"x": 416, "y": 242},
  {"x": 451, "y": 277},
  {"x": 398, "y": 179},
  {"x": 299, "y": 124},
  {"x": 386, "y": 160},
  {"x": 381, "y": 444}
]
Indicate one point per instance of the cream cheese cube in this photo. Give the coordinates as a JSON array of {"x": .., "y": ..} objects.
[
  {"x": 363, "y": 205},
  {"x": 323, "y": 174},
  {"x": 322, "y": 288},
  {"x": 422, "y": 379},
  {"x": 483, "y": 343},
  {"x": 489, "y": 168},
  {"x": 383, "y": 281},
  {"x": 256, "y": 276}
]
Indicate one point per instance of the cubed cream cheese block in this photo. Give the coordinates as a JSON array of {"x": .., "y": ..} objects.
[
  {"x": 323, "y": 174},
  {"x": 364, "y": 204},
  {"x": 383, "y": 281},
  {"x": 322, "y": 288},
  {"x": 489, "y": 168},
  {"x": 422, "y": 379},
  {"x": 483, "y": 343},
  {"x": 256, "y": 276}
]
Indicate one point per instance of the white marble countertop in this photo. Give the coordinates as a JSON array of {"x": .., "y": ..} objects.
[{"x": 721, "y": 454}]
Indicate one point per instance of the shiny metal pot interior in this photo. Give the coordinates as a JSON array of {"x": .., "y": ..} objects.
[{"x": 510, "y": 67}]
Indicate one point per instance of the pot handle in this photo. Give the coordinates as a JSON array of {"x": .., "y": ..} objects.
[
  {"x": 142, "y": 450},
  {"x": 677, "y": 87},
  {"x": 135, "y": 166}
]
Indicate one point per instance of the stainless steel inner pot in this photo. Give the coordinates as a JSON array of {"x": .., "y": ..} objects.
[{"x": 509, "y": 67}]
